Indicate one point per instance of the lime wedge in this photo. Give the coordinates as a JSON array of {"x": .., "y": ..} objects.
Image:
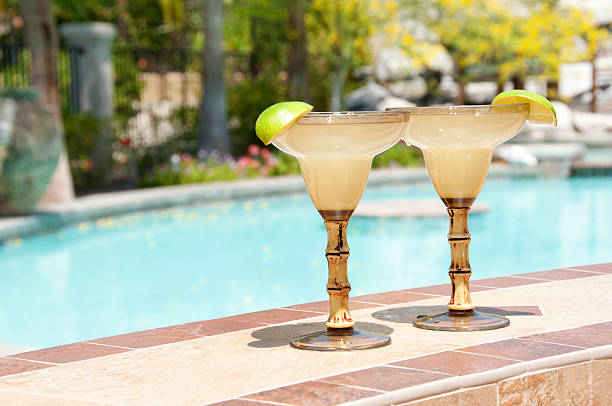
[
  {"x": 277, "y": 119},
  {"x": 541, "y": 111}
]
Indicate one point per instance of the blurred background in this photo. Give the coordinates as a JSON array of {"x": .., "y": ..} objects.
[{"x": 161, "y": 92}]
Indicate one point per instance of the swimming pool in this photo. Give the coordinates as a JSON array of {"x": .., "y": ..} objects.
[{"x": 158, "y": 268}]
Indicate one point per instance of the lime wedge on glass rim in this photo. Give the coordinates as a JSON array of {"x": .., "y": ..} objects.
[
  {"x": 541, "y": 111},
  {"x": 277, "y": 118}
]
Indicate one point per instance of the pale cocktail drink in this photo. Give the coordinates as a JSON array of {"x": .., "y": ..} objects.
[
  {"x": 335, "y": 160},
  {"x": 457, "y": 144},
  {"x": 335, "y": 152}
]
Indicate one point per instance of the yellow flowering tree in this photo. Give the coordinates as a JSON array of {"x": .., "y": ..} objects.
[
  {"x": 338, "y": 31},
  {"x": 503, "y": 40}
]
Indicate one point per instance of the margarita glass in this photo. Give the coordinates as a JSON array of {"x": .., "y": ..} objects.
[
  {"x": 335, "y": 152},
  {"x": 457, "y": 143}
]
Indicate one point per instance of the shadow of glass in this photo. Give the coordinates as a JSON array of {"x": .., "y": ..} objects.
[
  {"x": 411, "y": 313},
  {"x": 277, "y": 336}
]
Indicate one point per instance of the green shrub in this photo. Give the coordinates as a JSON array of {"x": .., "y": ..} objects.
[
  {"x": 83, "y": 132},
  {"x": 246, "y": 101},
  {"x": 398, "y": 155}
]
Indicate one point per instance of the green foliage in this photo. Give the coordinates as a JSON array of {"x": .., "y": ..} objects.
[
  {"x": 398, "y": 155},
  {"x": 84, "y": 10},
  {"x": 285, "y": 165},
  {"x": 82, "y": 132},
  {"x": 128, "y": 86},
  {"x": 246, "y": 101},
  {"x": 189, "y": 172}
]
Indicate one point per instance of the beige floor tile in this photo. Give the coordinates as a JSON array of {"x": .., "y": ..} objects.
[{"x": 26, "y": 399}]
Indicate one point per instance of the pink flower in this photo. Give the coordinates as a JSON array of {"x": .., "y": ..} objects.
[
  {"x": 265, "y": 153},
  {"x": 253, "y": 150},
  {"x": 244, "y": 162}
]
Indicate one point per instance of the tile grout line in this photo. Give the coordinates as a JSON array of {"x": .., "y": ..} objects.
[
  {"x": 597, "y": 273},
  {"x": 348, "y": 385},
  {"x": 31, "y": 360},
  {"x": 532, "y": 278},
  {"x": 300, "y": 310},
  {"x": 117, "y": 346},
  {"x": 418, "y": 369}
]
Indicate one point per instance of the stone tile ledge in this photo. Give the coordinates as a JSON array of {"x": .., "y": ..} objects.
[
  {"x": 483, "y": 378},
  {"x": 91, "y": 207}
]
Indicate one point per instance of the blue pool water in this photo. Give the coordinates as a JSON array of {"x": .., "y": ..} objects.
[{"x": 164, "y": 267}]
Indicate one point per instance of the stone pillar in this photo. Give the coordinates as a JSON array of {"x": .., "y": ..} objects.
[
  {"x": 94, "y": 65},
  {"x": 93, "y": 77}
]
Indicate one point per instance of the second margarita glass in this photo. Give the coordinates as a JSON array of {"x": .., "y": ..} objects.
[{"x": 457, "y": 143}]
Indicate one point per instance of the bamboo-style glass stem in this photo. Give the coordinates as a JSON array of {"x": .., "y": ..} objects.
[
  {"x": 338, "y": 286},
  {"x": 460, "y": 270}
]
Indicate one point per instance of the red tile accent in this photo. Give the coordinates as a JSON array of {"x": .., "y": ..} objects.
[
  {"x": 9, "y": 366},
  {"x": 69, "y": 353},
  {"x": 385, "y": 378},
  {"x": 603, "y": 268},
  {"x": 147, "y": 338},
  {"x": 558, "y": 274},
  {"x": 323, "y": 306},
  {"x": 312, "y": 393},
  {"x": 241, "y": 402},
  {"x": 392, "y": 297},
  {"x": 444, "y": 290},
  {"x": 454, "y": 363},
  {"x": 440, "y": 290},
  {"x": 273, "y": 316},
  {"x": 518, "y": 349},
  {"x": 505, "y": 282},
  {"x": 593, "y": 335},
  {"x": 217, "y": 326}
]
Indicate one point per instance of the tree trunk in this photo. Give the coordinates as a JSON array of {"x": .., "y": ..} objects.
[
  {"x": 122, "y": 25},
  {"x": 41, "y": 38},
  {"x": 212, "y": 131},
  {"x": 518, "y": 82},
  {"x": 460, "y": 98},
  {"x": 594, "y": 85},
  {"x": 337, "y": 88},
  {"x": 298, "y": 57}
]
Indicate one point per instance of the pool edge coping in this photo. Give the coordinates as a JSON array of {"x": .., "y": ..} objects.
[{"x": 91, "y": 207}]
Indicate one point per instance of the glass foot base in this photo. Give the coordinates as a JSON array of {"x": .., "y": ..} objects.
[
  {"x": 455, "y": 320},
  {"x": 339, "y": 339}
]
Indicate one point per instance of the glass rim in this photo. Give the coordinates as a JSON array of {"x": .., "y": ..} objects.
[
  {"x": 350, "y": 117},
  {"x": 461, "y": 109}
]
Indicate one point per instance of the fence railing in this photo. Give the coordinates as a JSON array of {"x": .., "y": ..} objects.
[{"x": 141, "y": 75}]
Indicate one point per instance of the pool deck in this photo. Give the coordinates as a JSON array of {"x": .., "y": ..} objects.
[{"x": 557, "y": 350}]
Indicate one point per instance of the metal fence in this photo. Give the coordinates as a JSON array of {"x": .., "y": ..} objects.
[
  {"x": 15, "y": 71},
  {"x": 152, "y": 84},
  {"x": 149, "y": 85},
  {"x": 144, "y": 78}
]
